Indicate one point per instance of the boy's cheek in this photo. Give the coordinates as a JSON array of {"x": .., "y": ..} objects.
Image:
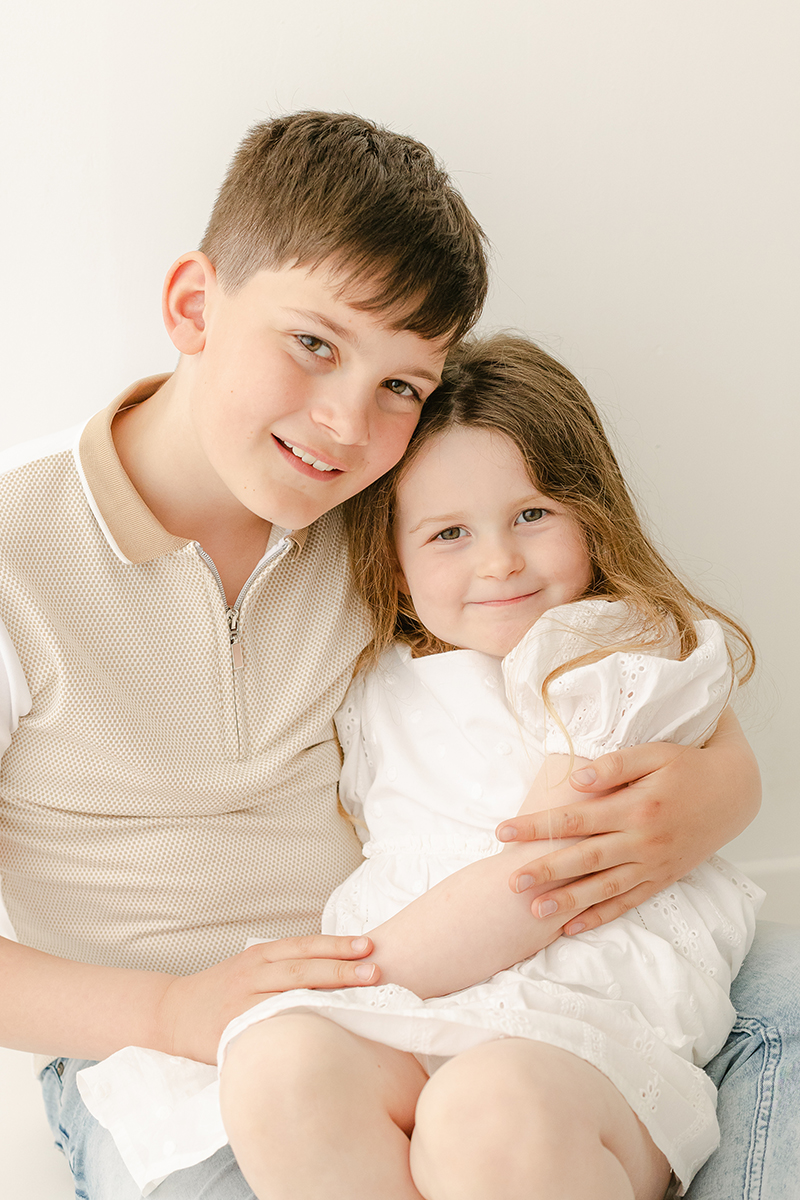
[{"x": 387, "y": 447}]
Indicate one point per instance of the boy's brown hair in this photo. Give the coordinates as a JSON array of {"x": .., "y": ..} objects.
[
  {"x": 509, "y": 386},
  {"x": 333, "y": 188}
]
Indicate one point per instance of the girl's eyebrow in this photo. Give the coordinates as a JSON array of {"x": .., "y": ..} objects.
[
  {"x": 447, "y": 519},
  {"x": 537, "y": 500}
]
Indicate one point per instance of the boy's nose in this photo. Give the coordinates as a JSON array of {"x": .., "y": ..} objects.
[{"x": 344, "y": 413}]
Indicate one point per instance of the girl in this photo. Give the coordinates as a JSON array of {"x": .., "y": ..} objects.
[{"x": 523, "y": 620}]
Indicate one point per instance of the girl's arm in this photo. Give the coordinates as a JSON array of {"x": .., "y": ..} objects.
[
  {"x": 472, "y": 924},
  {"x": 664, "y": 809}
]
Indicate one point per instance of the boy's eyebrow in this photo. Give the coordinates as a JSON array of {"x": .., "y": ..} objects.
[
  {"x": 329, "y": 323},
  {"x": 348, "y": 336}
]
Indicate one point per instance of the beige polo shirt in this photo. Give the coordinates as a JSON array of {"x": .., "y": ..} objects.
[{"x": 168, "y": 794}]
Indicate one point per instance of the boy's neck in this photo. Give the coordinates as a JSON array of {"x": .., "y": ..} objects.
[{"x": 158, "y": 450}]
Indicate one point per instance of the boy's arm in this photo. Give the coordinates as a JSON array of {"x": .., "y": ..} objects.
[
  {"x": 51, "y": 1005},
  {"x": 665, "y": 808},
  {"x": 472, "y": 924}
]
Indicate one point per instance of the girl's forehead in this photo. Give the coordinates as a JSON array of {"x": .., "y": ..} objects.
[
  {"x": 467, "y": 443},
  {"x": 463, "y": 466},
  {"x": 450, "y": 456}
]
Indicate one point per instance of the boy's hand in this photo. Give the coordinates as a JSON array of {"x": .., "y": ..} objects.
[
  {"x": 671, "y": 807},
  {"x": 195, "y": 1009}
]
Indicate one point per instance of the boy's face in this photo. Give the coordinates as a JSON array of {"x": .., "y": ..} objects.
[{"x": 300, "y": 400}]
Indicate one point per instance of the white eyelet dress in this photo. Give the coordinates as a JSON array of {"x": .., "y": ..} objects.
[{"x": 438, "y": 750}]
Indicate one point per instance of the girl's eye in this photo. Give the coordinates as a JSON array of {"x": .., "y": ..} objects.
[
  {"x": 450, "y": 535},
  {"x": 529, "y": 515},
  {"x": 315, "y": 345},
  {"x": 399, "y": 387}
]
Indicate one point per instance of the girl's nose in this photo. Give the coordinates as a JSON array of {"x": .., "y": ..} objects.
[{"x": 500, "y": 559}]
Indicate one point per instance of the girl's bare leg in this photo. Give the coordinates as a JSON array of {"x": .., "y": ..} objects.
[
  {"x": 314, "y": 1112},
  {"x": 521, "y": 1120}
]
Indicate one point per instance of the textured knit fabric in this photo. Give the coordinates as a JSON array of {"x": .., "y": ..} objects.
[{"x": 160, "y": 804}]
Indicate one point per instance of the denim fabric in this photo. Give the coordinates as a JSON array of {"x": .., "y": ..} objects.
[
  {"x": 96, "y": 1167},
  {"x": 757, "y": 1073},
  {"x": 758, "y": 1076}
]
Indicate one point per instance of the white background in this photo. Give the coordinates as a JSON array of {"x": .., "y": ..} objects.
[{"x": 634, "y": 163}]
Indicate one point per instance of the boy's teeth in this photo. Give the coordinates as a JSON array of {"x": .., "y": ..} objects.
[{"x": 317, "y": 463}]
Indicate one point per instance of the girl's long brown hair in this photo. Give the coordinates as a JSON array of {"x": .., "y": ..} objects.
[{"x": 508, "y": 385}]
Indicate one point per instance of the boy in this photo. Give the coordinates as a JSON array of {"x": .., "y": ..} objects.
[{"x": 181, "y": 627}]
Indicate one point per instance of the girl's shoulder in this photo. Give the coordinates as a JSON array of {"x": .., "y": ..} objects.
[
  {"x": 571, "y": 631},
  {"x": 610, "y": 688},
  {"x": 601, "y": 627}
]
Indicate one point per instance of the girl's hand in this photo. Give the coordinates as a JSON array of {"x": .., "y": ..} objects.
[
  {"x": 670, "y": 807},
  {"x": 195, "y": 1009}
]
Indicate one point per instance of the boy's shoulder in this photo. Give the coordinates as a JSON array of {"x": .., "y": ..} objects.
[
  {"x": 39, "y": 486},
  {"x": 71, "y": 484},
  {"x": 28, "y": 453}
]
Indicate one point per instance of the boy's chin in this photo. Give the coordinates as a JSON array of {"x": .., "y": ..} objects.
[{"x": 291, "y": 516}]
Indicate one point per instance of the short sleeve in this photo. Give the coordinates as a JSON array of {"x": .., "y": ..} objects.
[
  {"x": 15, "y": 698},
  {"x": 15, "y": 702},
  {"x": 622, "y": 699},
  {"x": 356, "y": 773}
]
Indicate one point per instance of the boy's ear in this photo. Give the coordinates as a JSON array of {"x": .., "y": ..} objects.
[{"x": 186, "y": 291}]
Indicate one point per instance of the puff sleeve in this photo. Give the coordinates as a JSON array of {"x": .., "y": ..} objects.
[
  {"x": 623, "y": 698},
  {"x": 356, "y": 774}
]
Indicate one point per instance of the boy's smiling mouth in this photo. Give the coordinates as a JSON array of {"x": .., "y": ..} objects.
[{"x": 307, "y": 458}]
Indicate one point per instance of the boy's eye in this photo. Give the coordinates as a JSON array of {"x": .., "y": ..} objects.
[
  {"x": 315, "y": 345},
  {"x": 400, "y": 388},
  {"x": 529, "y": 515},
  {"x": 450, "y": 535}
]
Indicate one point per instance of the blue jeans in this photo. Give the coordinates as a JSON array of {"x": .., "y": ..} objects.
[
  {"x": 757, "y": 1073},
  {"x": 758, "y": 1076},
  {"x": 96, "y": 1166}
]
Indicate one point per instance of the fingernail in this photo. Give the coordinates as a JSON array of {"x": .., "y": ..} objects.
[
  {"x": 585, "y": 775},
  {"x": 547, "y": 908},
  {"x": 365, "y": 971},
  {"x": 359, "y": 944},
  {"x": 576, "y": 928},
  {"x": 524, "y": 882},
  {"x": 506, "y": 834}
]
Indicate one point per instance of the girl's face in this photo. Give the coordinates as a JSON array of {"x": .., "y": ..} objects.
[{"x": 482, "y": 553}]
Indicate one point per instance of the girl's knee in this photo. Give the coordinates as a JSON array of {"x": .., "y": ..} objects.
[
  {"x": 502, "y": 1084},
  {"x": 505, "y": 1119},
  {"x": 297, "y": 1061},
  {"x": 511, "y": 1110},
  {"x": 480, "y": 1112},
  {"x": 286, "y": 1039},
  {"x": 278, "y": 1061}
]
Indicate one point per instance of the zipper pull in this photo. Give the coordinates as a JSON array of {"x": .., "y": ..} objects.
[{"x": 237, "y": 658}]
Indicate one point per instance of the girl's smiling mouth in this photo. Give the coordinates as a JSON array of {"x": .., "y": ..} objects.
[{"x": 507, "y": 600}]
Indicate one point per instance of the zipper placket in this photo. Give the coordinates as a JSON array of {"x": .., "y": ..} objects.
[{"x": 232, "y": 615}]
